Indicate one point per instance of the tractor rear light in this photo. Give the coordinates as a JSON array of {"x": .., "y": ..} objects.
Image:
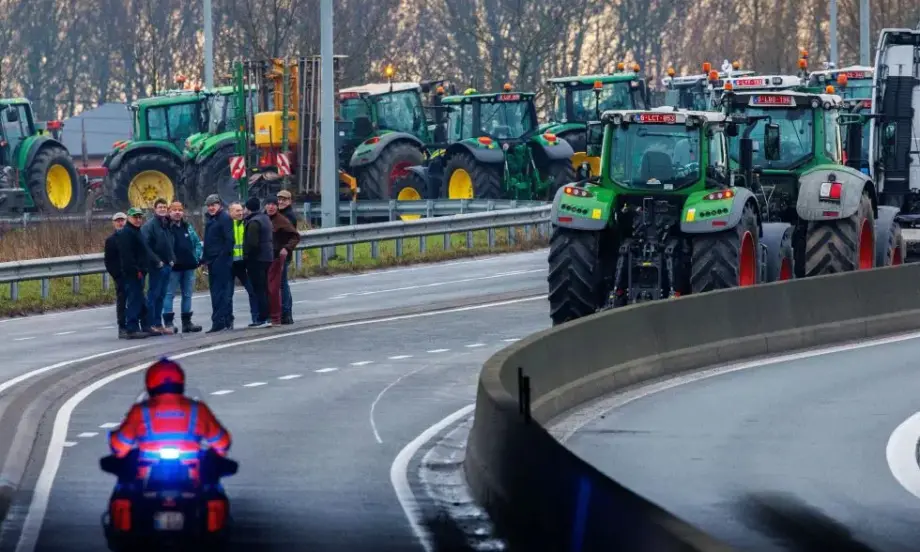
[
  {"x": 577, "y": 192},
  {"x": 485, "y": 140},
  {"x": 564, "y": 219},
  {"x": 831, "y": 191},
  {"x": 716, "y": 196},
  {"x": 719, "y": 223},
  {"x": 830, "y": 213},
  {"x": 54, "y": 125},
  {"x": 371, "y": 141},
  {"x": 121, "y": 514}
]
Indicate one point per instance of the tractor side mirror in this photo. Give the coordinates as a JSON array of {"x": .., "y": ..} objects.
[
  {"x": 595, "y": 133},
  {"x": 771, "y": 141},
  {"x": 890, "y": 132},
  {"x": 12, "y": 115},
  {"x": 583, "y": 172}
]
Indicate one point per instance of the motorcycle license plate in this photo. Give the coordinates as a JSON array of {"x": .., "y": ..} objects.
[{"x": 168, "y": 521}]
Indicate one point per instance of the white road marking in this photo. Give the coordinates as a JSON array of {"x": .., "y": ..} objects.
[
  {"x": 106, "y": 327},
  {"x": 511, "y": 340},
  {"x": 362, "y": 363},
  {"x": 223, "y": 392},
  {"x": 87, "y": 434},
  {"x": 438, "y": 350},
  {"x": 23, "y": 377},
  {"x": 289, "y": 377},
  {"x": 399, "y": 475},
  {"x": 474, "y": 345},
  {"x": 109, "y": 425},
  {"x": 31, "y": 527},
  {"x": 380, "y": 396},
  {"x": 901, "y": 453},
  {"x": 399, "y": 357},
  {"x": 324, "y": 370},
  {"x": 66, "y": 333},
  {"x": 254, "y": 384},
  {"x": 23, "y": 338},
  {"x": 69, "y": 443},
  {"x": 438, "y": 284}
]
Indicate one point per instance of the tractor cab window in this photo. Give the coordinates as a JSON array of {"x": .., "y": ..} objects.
[
  {"x": 173, "y": 123},
  {"x": 718, "y": 154},
  {"x": 687, "y": 97},
  {"x": 831, "y": 136},
  {"x": 506, "y": 120},
  {"x": 658, "y": 157},
  {"x": 856, "y": 89},
  {"x": 222, "y": 111},
  {"x": 559, "y": 113},
  {"x": 455, "y": 122},
  {"x": 16, "y": 131},
  {"x": 401, "y": 112},
  {"x": 613, "y": 95},
  {"x": 358, "y": 112},
  {"x": 797, "y": 134}
]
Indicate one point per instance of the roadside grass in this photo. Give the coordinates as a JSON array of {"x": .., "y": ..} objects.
[{"x": 57, "y": 242}]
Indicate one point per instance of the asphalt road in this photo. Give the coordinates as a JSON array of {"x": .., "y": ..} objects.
[
  {"x": 42, "y": 341},
  {"x": 317, "y": 421},
  {"x": 741, "y": 452}
]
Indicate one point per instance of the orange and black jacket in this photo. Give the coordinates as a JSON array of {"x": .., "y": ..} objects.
[{"x": 169, "y": 420}]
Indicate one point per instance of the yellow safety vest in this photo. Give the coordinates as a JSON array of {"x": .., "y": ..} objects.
[{"x": 239, "y": 228}]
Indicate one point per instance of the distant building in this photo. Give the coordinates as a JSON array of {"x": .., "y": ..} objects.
[{"x": 103, "y": 125}]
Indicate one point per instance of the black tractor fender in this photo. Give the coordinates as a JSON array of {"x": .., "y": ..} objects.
[
  {"x": 119, "y": 158},
  {"x": 546, "y": 153},
  {"x": 363, "y": 156},
  {"x": 39, "y": 145},
  {"x": 422, "y": 172},
  {"x": 809, "y": 205},
  {"x": 700, "y": 225},
  {"x": 481, "y": 155}
]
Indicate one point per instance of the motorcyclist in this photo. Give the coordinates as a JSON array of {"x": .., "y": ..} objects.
[{"x": 169, "y": 419}]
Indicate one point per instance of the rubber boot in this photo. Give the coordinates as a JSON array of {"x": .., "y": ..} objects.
[
  {"x": 287, "y": 318},
  {"x": 187, "y": 326},
  {"x": 168, "y": 318}
]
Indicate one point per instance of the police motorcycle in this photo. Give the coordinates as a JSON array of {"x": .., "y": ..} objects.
[{"x": 168, "y": 509}]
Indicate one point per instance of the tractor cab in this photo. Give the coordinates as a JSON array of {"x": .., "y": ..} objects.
[
  {"x": 170, "y": 118},
  {"x": 376, "y": 107},
  {"x": 853, "y": 83},
  {"x": 16, "y": 124},
  {"x": 699, "y": 92},
  {"x": 507, "y": 118}
]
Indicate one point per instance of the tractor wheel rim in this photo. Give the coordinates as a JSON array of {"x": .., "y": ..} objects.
[
  {"x": 58, "y": 187},
  {"x": 785, "y": 271},
  {"x": 147, "y": 186},
  {"x": 746, "y": 259},
  {"x": 460, "y": 185},
  {"x": 866, "y": 246},
  {"x": 409, "y": 194}
]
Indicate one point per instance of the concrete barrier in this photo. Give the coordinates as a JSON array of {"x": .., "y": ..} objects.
[{"x": 542, "y": 496}]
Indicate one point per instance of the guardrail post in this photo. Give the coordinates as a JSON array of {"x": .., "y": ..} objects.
[
  {"x": 105, "y": 281},
  {"x": 392, "y": 211},
  {"x": 490, "y": 206},
  {"x": 46, "y": 288},
  {"x": 352, "y": 221},
  {"x": 464, "y": 205},
  {"x": 524, "y": 395},
  {"x": 14, "y": 291},
  {"x": 298, "y": 259},
  {"x": 75, "y": 285},
  {"x": 375, "y": 249},
  {"x": 307, "y": 213},
  {"x": 423, "y": 240},
  {"x": 527, "y": 231}
]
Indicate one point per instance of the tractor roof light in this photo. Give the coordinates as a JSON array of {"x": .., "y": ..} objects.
[
  {"x": 485, "y": 140},
  {"x": 507, "y": 87},
  {"x": 803, "y": 53},
  {"x": 389, "y": 71},
  {"x": 671, "y": 72},
  {"x": 842, "y": 79},
  {"x": 598, "y": 85},
  {"x": 439, "y": 91},
  {"x": 803, "y": 63},
  {"x": 713, "y": 76},
  {"x": 736, "y": 65},
  {"x": 729, "y": 87},
  {"x": 180, "y": 79},
  {"x": 707, "y": 67},
  {"x": 829, "y": 89},
  {"x": 636, "y": 68},
  {"x": 621, "y": 66}
]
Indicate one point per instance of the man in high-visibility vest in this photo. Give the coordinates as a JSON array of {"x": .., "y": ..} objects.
[{"x": 239, "y": 266}]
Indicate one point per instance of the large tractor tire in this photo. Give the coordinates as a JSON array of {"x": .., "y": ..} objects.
[
  {"x": 558, "y": 174},
  {"x": 842, "y": 245},
  {"x": 890, "y": 247},
  {"x": 214, "y": 177},
  {"x": 465, "y": 178},
  {"x": 578, "y": 262},
  {"x": 376, "y": 180},
  {"x": 727, "y": 259},
  {"x": 143, "y": 178},
  {"x": 779, "y": 264},
  {"x": 412, "y": 187},
  {"x": 53, "y": 182}
]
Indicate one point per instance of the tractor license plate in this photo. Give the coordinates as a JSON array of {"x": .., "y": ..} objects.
[{"x": 168, "y": 521}]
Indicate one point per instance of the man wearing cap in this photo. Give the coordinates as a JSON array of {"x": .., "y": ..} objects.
[
  {"x": 285, "y": 239},
  {"x": 160, "y": 241},
  {"x": 217, "y": 254},
  {"x": 258, "y": 248},
  {"x": 187, "y": 247},
  {"x": 113, "y": 267},
  {"x": 136, "y": 260},
  {"x": 286, "y": 208}
]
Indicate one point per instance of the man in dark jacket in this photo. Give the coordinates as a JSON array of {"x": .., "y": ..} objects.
[
  {"x": 218, "y": 256},
  {"x": 187, "y": 247},
  {"x": 285, "y": 238},
  {"x": 286, "y": 208},
  {"x": 113, "y": 267},
  {"x": 257, "y": 252},
  {"x": 160, "y": 241},
  {"x": 135, "y": 262}
]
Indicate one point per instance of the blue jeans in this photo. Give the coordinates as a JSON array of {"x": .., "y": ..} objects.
[
  {"x": 287, "y": 302},
  {"x": 134, "y": 303},
  {"x": 158, "y": 283},
  {"x": 184, "y": 280}
]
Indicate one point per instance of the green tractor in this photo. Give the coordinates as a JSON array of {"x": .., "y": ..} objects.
[
  {"x": 37, "y": 172},
  {"x": 802, "y": 179},
  {"x": 389, "y": 133},
  {"x": 150, "y": 165},
  {"x": 700, "y": 92},
  {"x": 581, "y": 99},
  {"x": 662, "y": 219},
  {"x": 494, "y": 150}
]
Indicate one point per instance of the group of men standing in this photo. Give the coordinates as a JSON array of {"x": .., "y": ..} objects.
[{"x": 243, "y": 243}]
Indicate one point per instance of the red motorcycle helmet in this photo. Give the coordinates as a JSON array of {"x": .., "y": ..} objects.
[{"x": 164, "y": 376}]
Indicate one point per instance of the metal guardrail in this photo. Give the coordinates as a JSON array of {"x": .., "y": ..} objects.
[
  {"x": 349, "y": 211},
  {"x": 326, "y": 238}
]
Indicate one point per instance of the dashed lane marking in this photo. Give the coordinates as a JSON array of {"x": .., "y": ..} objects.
[
  {"x": 399, "y": 357},
  {"x": 69, "y": 443},
  {"x": 87, "y": 434},
  {"x": 254, "y": 384},
  {"x": 223, "y": 392},
  {"x": 66, "y": 333},
  {"x": 23, "y": 338},
  {"x": 438, "y": 350},
  {"x": 324, "y": 370},
  {"x": 289, "y": 377},
  {"x": 109, "y": 425},
  {"x": 362, "y": 363},
  {"x": 474, "y": 345}
]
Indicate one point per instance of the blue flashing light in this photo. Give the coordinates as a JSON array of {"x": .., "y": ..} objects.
[{"x": 169, "y": 454}]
